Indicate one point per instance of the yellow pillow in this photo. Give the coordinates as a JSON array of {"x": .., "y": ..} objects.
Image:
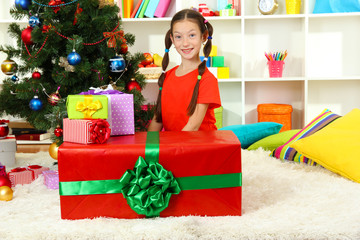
[{"x": 336, "y": 146}]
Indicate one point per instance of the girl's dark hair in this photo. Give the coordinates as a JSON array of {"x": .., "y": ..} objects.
[{"x": 204, "y": 25}]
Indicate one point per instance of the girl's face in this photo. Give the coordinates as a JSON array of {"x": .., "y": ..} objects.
[{"x": 187, "y": 39}]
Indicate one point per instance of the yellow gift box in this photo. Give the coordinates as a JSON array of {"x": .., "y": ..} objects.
[
  {"x": 223, "y": 72},
  {"x": 87, "y": 106}
]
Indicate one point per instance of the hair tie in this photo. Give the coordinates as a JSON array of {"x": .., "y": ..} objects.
[
  {"x": 166, "y": 50},
  {"x": 160, "y": 88},
  {"x": 205, "y": 21},
  {"x": 199, "y": 77},
  {"x": 162, "y": 71},
  {"x": 205, "y": 59},
  {"x": 209, "y": 37}
]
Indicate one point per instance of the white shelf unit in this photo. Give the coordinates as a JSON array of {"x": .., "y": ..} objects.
[{"x": 321, "y": 71}]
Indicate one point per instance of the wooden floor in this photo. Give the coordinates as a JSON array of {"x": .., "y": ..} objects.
[{"x": 32, "y": 148}]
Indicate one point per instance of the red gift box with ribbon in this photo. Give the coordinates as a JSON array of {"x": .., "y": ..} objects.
[
  {"x": 25, "y": 175},
  {"x": 36, "y": 170},
  {"x": 86, "y": 131},
  {"x": 144, "y": 175},
  {"x": 20, "y": 175}
]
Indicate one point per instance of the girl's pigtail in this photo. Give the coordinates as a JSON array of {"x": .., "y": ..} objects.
[
  {"x": 201, "y": 69},
  {"x": 165, "y": 63}
]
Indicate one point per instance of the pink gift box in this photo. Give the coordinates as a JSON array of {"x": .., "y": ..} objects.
[
  {"x": 36, "y": 170},
  {"x": 22, "y": 175},
  {"x": 77, "y": 130},
  {"x": 51, "y": 179},
  {"x": 121, "y": 114}
]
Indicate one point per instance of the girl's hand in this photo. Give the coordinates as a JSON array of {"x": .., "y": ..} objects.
[{"x": 196, "y": 119}]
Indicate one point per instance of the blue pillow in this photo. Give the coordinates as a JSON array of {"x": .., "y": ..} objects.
[
  {"x": 250, "y": 133},
  {"x": 345, "y": 5},
  {"x": 322, "y": 6}
]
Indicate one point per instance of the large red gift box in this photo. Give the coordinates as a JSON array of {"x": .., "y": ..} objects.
[{"x": 185, "y": 154}]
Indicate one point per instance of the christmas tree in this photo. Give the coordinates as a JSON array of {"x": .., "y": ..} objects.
[{"x": 68, "y": 47}]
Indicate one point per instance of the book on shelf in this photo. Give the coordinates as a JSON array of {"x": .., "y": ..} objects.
[
  {"x": 151, "y": 8},
  {"x": 18, "y": 131},
  {"x": 127, "y": 6},
  {"x": 133, "y": 14},
  {"x": 142, "y": 10},
  {"x": 119, "y": 4},
  {"x": 162, "y": 8},
  {"x": 139, "y": 9},
  {"x": 19, "y": 124},
  {"x": 33, "y": 137}
]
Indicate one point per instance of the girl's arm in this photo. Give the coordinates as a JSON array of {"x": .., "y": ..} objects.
[
  {"x": 155, "y": 126},
  {"x": 196, "y": 119}
]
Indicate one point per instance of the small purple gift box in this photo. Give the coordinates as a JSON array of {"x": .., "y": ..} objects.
[
  {"x": 51, "y": 179},
  {"x": 120, "y": 110}
]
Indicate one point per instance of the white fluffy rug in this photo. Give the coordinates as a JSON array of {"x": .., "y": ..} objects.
[{"x": 280, "y": 201}]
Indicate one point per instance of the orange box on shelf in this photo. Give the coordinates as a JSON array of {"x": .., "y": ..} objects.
[{"x": 280, "y": 113}]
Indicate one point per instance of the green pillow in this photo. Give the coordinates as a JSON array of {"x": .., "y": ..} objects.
[
  {"x": 250, "y": 133},
  {"x": 273, "y": 141}
]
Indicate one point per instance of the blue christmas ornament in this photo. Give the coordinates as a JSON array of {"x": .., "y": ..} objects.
[
  {"x": 35, "y": 104},
  {"x": 74, "y": 58},
  {"x": 117, "y": 64},
  {"x": 34, "y": 21},
  {"x": 14, "y": 78},
  {"x": 24, "y": 4}
]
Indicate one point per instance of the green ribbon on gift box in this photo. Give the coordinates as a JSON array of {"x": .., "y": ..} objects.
[{"x": 149, "y": 186}]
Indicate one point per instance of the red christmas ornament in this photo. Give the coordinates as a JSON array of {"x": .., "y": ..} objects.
[
  {"x": 133, "y": 85},
  {"x": 58, "y": 132},
  {"x": 4, "y": 181},
  {"x": 123, "y": 48},
  {"x": 45, "y": 28},
  {"x": 54, "y": 98},
  {"x": 36, "y": 75},
  {"x": 54, "y": 3},
  {"x": 26, "y": 36},
  {"x": 4, "y": 129}
]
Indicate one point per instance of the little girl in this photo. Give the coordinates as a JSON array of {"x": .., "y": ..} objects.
[{"x": 188, "y": 93}]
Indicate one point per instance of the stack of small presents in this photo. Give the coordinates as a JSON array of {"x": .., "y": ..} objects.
[
  {"x": 25, "y": 175},
  {"x": 97, "y": 113},
  {"x": 151, "y": 174},
  {"x": 216, "y": 64}
]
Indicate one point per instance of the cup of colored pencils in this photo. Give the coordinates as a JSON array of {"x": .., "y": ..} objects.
[{"x": 276, "y": 63}]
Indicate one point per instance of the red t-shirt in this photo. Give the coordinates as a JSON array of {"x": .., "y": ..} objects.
[{"x": 176, "y": 96}]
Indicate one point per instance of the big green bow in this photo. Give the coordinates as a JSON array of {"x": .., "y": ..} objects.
[{"x": 148, "y": 188}]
